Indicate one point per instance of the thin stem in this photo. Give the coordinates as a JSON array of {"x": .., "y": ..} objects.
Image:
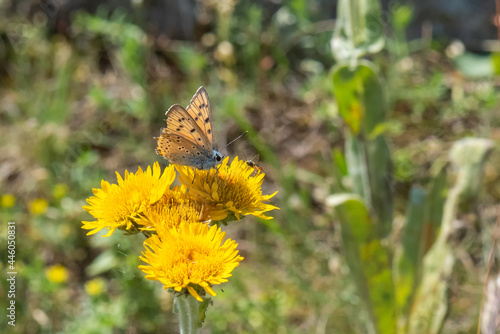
[
  {"x": 490, "y": 262},
  {"x": 188, "y": 310}
]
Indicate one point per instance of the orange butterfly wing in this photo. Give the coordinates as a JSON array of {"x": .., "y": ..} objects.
[
  {"x": 182, "y": 141},
  {"x": 180, "y": 151},
  {"x": 189, "y": 137},
  {"x": 180, "y": 122},
  {"x": 200, "y": 111}
]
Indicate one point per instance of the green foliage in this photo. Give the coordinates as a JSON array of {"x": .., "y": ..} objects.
[
  {"x": 368, "y": 260},
  {"x": 421, "y": 260},
  {"x": 77, "y": 105},
  {"x": 468, "y": 157},
  {"x": 359, "y": 29},
  {"x": 361, "y": 104}
]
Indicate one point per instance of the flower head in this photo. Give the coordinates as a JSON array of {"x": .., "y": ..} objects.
[
  {"x": 57, "y": 273},
  {"x": 59, "y": 191},
  {"x": 38, "y": 206},
  {"x": 191, "y": 255},
  {"x": 7, "y": 200},
  {"x": 173, "y": 208},
  {"x": 117, "y": 205},
  {"x": 95, "y": 287},
  {"x": 229, "y": 190}
]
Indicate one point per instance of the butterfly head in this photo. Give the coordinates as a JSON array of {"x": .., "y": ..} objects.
[{"x": 217, "y": 157}]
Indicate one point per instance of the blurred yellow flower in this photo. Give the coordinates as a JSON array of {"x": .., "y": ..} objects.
[
  {"x": 230, "y": 190},
  {"x": 38, "y": 206},
  {"x": 95, "y": 286},
  {"x": 57, "y": 273},
  {"x": 191, "y": 255},
  {"x": 7, "y": 200},
  {"x": 117, "y": 205},
  {"x": 59, "y": 191}
]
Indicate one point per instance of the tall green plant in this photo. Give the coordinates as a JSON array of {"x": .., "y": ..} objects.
[
  {"x": 359, "y": 29},
  {"x": 467, "y": 158},
  {"x": 403, "y": 284}
]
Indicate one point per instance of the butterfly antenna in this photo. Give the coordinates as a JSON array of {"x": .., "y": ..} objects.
[{"x": 232, "y": 141}]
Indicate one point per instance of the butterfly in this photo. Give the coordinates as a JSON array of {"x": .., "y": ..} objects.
[{"x": 189, "y": 137}]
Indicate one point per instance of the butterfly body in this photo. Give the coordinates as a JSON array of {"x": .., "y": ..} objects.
[{"x": 189, "y": 137}]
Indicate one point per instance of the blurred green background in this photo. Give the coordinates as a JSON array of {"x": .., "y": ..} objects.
[{"x": 83, "y": 91}]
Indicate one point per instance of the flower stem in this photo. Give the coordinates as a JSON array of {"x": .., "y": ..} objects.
[{"x": 188, "y": 310}]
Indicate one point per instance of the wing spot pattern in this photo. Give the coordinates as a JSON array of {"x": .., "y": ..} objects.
[{"x": 192, "y": 128}]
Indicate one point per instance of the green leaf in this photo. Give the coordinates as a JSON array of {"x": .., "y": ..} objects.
[
  {"x": 362, "y": 106},
  {"x": 368, "y": 261},
  {"x": 378, "y": 158},
  {"x": 475, "y": 66},
  {"x": 103, "y": 263},
  {"x": 339, "y": 160},
  {"x": 360, "y": 97},
  {"x": 401, "y": 16},
  {"x": 357, "y": 166},
  {"x": 469, "y": 155},
  {"x": 434, "y": 207},
  {"x": 431, "y": 303},
  {"x": 409, "y": 256},
  {"x": 359, "y": 29},
  {"x": 412, "y": 233}
]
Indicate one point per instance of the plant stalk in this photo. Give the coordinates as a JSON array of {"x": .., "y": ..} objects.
[{"x": 188, "y": 310}]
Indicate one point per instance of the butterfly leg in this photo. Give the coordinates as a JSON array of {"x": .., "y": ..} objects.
[
  {"x": 217, "y": 170},
  {"x": 194, "y": 176}
]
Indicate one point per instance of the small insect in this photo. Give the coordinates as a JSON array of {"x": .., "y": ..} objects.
[
  {"x": 253, "y": 164},
  {"x": 189, "y": 137}
]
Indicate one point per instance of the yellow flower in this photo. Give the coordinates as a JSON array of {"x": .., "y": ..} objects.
[
  {"x": 7, "y": 201},
  {"x": 191, "y": 255},
  {"x": 38, "y": 206},
  {"x": 95, "y": 287},
  {"x": 57, "y": 273},
  {"x": 60, "y": 190},
  {"x": 172, "y": 209},
  {"x": 232, "y": 190},
  {"x": 117, "y": 205}
]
